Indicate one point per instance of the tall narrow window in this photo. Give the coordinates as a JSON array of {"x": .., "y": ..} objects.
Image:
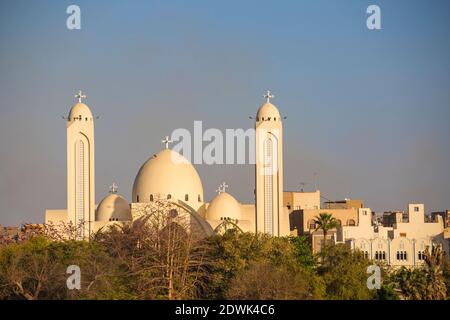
[
  {"x": 268, "y": 186},
  {"x": 151, "y": 198},
  {"x": 186, "y": 197},
  {"x": 80, "y": 185}
]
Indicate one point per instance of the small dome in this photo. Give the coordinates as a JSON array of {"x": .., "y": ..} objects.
[
  {"x": 80, "y": 110},
  {"x": 222, "y": 206},
  {"x": 268, "y": 110},
  {"x": 169, "y": 175},
  {"x": 113, "y": 208}
]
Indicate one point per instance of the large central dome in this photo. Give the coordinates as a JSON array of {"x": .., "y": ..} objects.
[{"x": 168, "y": 175}]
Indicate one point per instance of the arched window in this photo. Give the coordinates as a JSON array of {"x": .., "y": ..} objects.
[
  {"x": 169, "y": 196},
  {"x": 151, "y": 198},
  {"x": 137, "y": 198},
  {"x": 268, "y": 186},
  {"x": 80, "y": 185},
  {"x": 186, "y": 197},
  {"x": 339, "y": 222},
  {"x": 351, "y": 222},
  {"x": 199, "y": 198}
]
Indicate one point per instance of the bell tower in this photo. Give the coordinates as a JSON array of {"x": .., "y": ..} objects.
[
  {"x": 80, "y": 168},
  {"x": 269, "y": 170}
]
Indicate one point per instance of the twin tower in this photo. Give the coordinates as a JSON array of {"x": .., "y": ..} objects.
[{"x": 269, "y": 215}]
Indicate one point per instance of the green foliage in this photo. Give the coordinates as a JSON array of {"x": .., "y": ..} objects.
[
  {"x": 135, "y": 262},
  {"x": 36, "y": 269},
  {"x": 279, "y": 283},
  {"x": 419, "y": 284},
  {"x": 236, "y": 253},
  {"x": 344, "y": 273},
  {"x": 387, "y": 292},
  {"x": 303, "y": 251},
  {"x": 325, "y": 222},
  {"x": 427, "y": 282}
]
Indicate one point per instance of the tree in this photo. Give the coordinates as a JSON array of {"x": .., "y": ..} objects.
[
  {"x": 436, "y": 286},
  {"x": 387, "y": 292},
  {"x": 264, "y": 281},
  {"x": 325, "y": 222},
  {"x": 303, "y": 252},
  {"x": 161, "y": 256},
  {"x": 36, "y": 269},
  {"x": 344, "y": 273},
  {"x": 234, "y": 252},
  {"x": 426, "y": 282}
]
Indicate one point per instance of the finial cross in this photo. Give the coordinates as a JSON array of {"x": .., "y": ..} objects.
[
  {"x": 268, "y": 96},
  {"x": 113, "y": 188},
  {"x": 80, "y": 96},
  {"x": 167, "y": 141},
  {"x": 222, "y": 188}
]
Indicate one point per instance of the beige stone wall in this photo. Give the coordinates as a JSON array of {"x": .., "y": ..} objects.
[
  {"x": 294, "y": 200},
  {"x": 56, "y": 216}
]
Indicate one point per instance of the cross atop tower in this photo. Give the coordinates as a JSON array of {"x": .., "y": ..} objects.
[
  {"x": 222, "y": 188},
  {"x": 80, "y": 96},
  {"x": 167, "y": 141},
  {"x": 268, "y": 96},
  {"x": 113, "y": 188}
]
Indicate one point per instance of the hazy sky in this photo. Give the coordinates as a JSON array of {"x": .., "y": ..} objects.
[{"x": 367, "y": 110}]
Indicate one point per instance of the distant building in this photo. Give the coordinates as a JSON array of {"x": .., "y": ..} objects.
[
  {"x": 304, "y": 207},
  {"x": 445, "y": 217},
  {"x": 400, "y": 242}
]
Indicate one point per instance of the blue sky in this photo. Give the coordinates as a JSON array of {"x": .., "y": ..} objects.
[{"x": 367, "y": 110}]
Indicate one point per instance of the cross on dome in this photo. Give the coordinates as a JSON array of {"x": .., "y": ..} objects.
[
  {"x": 222, "y": 188},
  {"x": 80, "y": 96},
  {"x": 268, "y": 96},
  {"x": 167, "y": 141},
  {"x": 113, "y": 188}
]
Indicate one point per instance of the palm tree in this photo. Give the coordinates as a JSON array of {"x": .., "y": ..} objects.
[
  {"x": 325, "y": 222},
  {"x": 434, "y": 260}
]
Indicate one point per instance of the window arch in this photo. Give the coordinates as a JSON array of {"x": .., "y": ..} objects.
[
  {"x": 351, "y": 222},
  {"x": 268, "y": 186}
]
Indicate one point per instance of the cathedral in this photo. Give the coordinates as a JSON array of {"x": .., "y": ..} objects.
[
  {"x": 399, "y": 239},
  {"x": 168, "y": 175}
]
